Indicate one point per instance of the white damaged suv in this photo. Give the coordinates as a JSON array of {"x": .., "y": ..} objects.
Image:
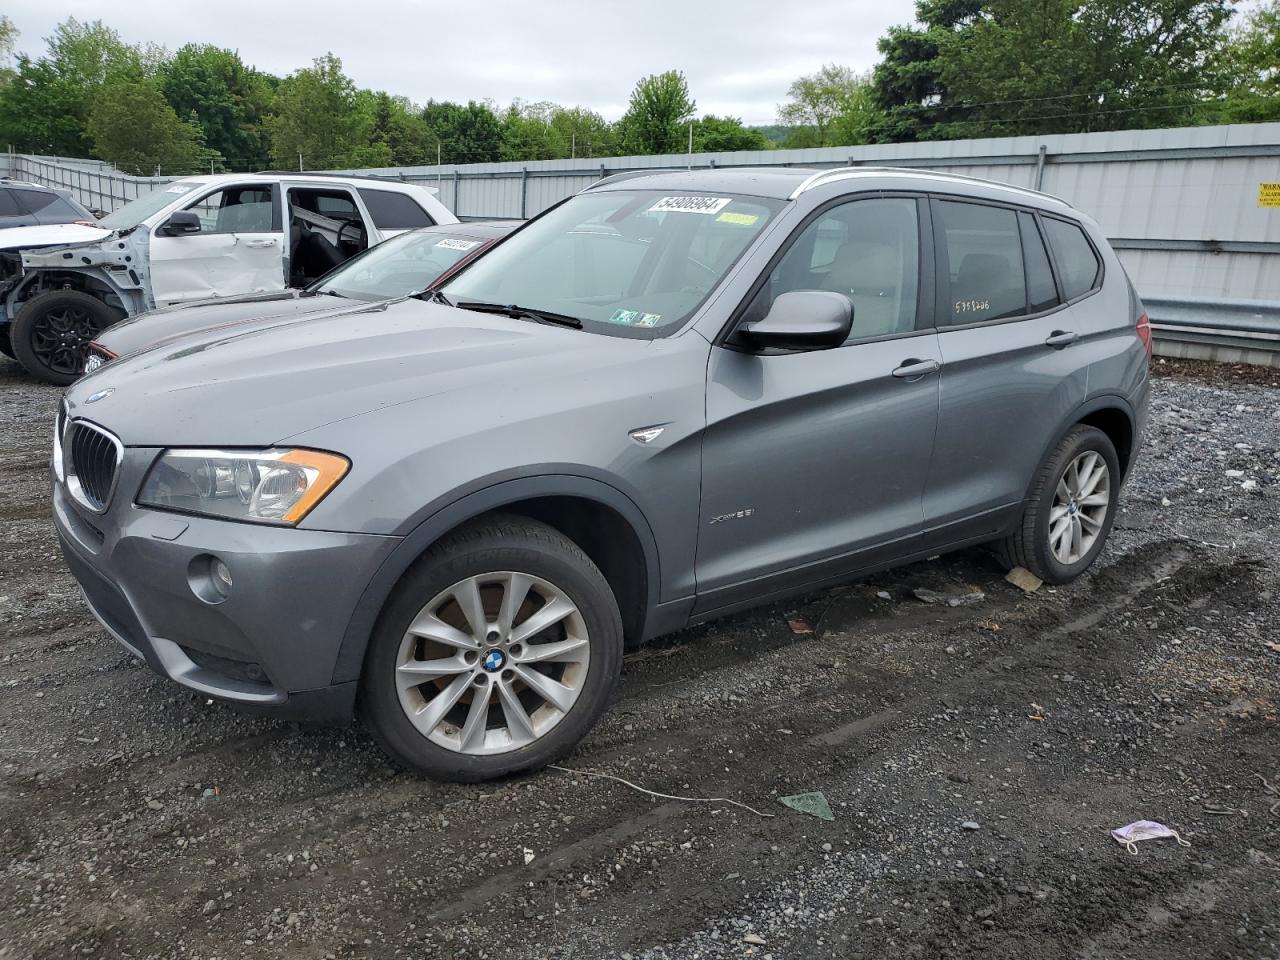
[{"x": 194, "y": 239}]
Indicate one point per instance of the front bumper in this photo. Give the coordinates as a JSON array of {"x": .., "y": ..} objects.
[{"x": 272, "y": 643}]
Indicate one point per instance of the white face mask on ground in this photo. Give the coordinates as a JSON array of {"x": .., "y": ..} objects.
[{"x": 1129, "y": 836}]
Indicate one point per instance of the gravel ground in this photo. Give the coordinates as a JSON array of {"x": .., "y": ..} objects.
[{"x": 974, "y": 759}]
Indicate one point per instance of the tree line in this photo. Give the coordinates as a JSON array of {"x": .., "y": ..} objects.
[{"x": 965, "y": 68}]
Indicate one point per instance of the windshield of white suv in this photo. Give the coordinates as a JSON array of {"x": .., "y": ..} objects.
[
  {"x": 135, "y": 211},
  {"x": 404, "y": 265},
  {"x": 632, "y": 263}
]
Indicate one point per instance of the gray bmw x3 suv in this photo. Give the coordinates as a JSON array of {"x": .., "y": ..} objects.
[{"x": 672, "y": 396}]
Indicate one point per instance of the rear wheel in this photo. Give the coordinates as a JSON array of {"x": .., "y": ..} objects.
[
  {"x": 52, "y": 332},
  {"x": 1070, "y": 510},
  {"x": 497, "y": 652}
]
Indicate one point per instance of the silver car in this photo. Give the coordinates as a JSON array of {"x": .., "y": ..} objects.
[{"x": 673, "y": 396}]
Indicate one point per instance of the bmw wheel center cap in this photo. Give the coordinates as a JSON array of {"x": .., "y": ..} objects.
[{"x": 494, "y": 660}]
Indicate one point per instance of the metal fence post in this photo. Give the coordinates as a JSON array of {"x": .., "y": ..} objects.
[
  {"x": 1040, "y": 166},
  {"x": 524, "y": 192},
  {"x": 456, "y": 202}
]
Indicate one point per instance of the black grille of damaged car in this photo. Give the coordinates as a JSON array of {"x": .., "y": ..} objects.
[{"x": 95, "y": 457}]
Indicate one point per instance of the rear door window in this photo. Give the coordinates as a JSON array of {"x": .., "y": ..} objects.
[
  {"x": 394, "y": 211},
  {"x": 1041, "y": 292},
  {"x": 1078, "y": 265},
  {"x": 981, "y": 256}
]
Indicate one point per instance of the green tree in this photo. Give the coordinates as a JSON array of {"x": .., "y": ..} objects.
[
  {"x": 714, "y": 134},
  {"x": 470, "y": 134},
  {"x": 8, "y": 38},
  {"x": 45, "y": 109},
  {"x": 317, "y": 118},
  {"x": 1003, "y": 67},
  {"x": 827, "y": 108},
  {"x": 1251, "y": 68},
  {"x": 229, "y": 101},
  {"x": 528, "y": 134},
  {"x": 133, "y": 126},
  {"x": 658, "y": 115},
  {"x": 585, "y": 132}
]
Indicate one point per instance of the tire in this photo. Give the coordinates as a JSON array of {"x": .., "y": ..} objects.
[
  {"x": 52, "y": 331},
  {"x": 5, "y": 346},
  {"x": 447, "y": 741},
  {"x": 1032, "y": 544}
]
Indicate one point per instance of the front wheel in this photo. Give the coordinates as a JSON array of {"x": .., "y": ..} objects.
[
  {"x": 1070, "y": 510},
  {"x": 52, "y": 332},
  {"x": 496, "y": 653}
]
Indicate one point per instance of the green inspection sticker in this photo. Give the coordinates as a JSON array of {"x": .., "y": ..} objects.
[{"x": 745, "y": 219}]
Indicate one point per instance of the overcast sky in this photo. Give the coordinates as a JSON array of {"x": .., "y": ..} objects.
[{"x": 739, "y": 56}]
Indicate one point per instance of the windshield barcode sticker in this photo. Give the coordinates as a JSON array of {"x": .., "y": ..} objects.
[
  {"x": 449, "y": 243},
  {"x": 706, "y": 205}
]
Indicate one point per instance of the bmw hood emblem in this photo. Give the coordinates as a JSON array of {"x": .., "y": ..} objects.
[
  {"x": 494, "y": 660},
  {"x": 101, "y": 394}
]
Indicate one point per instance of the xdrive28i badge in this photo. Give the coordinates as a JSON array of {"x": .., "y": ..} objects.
[{"x": 101, "y": 394}]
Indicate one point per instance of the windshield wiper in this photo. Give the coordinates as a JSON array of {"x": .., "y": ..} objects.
[
  {"x": 522, "y": 313},
  {"x": 436, "y": 297}
]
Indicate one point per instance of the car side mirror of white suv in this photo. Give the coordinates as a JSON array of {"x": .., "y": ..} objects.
[{"x": 181, "y": 223}]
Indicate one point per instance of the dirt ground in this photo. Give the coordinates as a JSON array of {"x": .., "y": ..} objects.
[{"x": 974, "y": 758}]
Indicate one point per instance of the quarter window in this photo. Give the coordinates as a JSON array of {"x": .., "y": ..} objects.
[
  {"x": 868, "y": 250},
  {"x": 982, "y": 250},
  {"x": 394, "y": 211},
  {"x": 35, "y": 200},
  {"x": 1078, "y": 265},
  {"x": 9, "y": 205},
  {"x": 1041, "y": 293}
]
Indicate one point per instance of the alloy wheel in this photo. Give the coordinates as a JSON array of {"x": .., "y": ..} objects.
[
  {"x": 492, "y": 663},
  {"x": 60, "y": 338},
  {"x": 1080, "y": 505}
]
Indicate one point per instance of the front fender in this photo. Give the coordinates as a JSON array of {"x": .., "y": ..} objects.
[{"x": 446, "y": 518}]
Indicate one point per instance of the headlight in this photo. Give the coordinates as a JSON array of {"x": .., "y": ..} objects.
[{"x": 261, "y": 486}]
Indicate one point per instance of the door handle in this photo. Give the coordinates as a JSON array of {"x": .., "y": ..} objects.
[
  {"x": 1061, "y": 338},
  {"x": 260, "y": 243},
  {"x": 914, "y": 368}
]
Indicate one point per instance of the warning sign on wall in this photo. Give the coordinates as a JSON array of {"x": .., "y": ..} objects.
[{"x": 1269, "y": 194}]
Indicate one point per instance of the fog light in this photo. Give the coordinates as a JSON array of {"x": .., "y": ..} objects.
[
  {"x": 221, "y": 576},
  {"x": 209, "y": 578}
]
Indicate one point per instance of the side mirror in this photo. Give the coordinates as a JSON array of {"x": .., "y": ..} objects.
[
  {"x": 803, "y": 320},
  {"x": 182, "y": 222}
]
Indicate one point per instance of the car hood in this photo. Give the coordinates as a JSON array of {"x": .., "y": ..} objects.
[
  {"x": 168, "y": 323},
  {"x": 47, "y": 235},
  {"x": 257, "y": 385}
]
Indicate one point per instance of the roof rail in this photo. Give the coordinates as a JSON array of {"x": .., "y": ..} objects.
[
  {"x": 337, "y": 176},
  {"x": 631, "y": 175},
  {"x": 847, "y": 173}
]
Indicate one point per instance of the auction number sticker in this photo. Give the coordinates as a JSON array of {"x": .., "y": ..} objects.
[
  {"x": 1269, "y": 194},
  {"x": 707, "y": 205},
  {"x": 449, "y": 243},
  {"x": 179, "y": 188}
]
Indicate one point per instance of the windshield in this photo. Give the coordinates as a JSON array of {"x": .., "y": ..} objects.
[
  {"x": 405, "y": 264},
  {"x": 633, "y": 263},
  {"x": 135, "y": 211}
]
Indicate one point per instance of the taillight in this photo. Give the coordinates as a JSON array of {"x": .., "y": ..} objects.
[{"x": 1144, "y": 333}]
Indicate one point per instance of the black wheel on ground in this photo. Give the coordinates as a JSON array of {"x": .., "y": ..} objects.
[
  {"x": 1070, "y": 510},
  {"x": 497, "y": 652},
  {"x": 52, "y": 331},
  {"x": 5, "y": 346}
]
